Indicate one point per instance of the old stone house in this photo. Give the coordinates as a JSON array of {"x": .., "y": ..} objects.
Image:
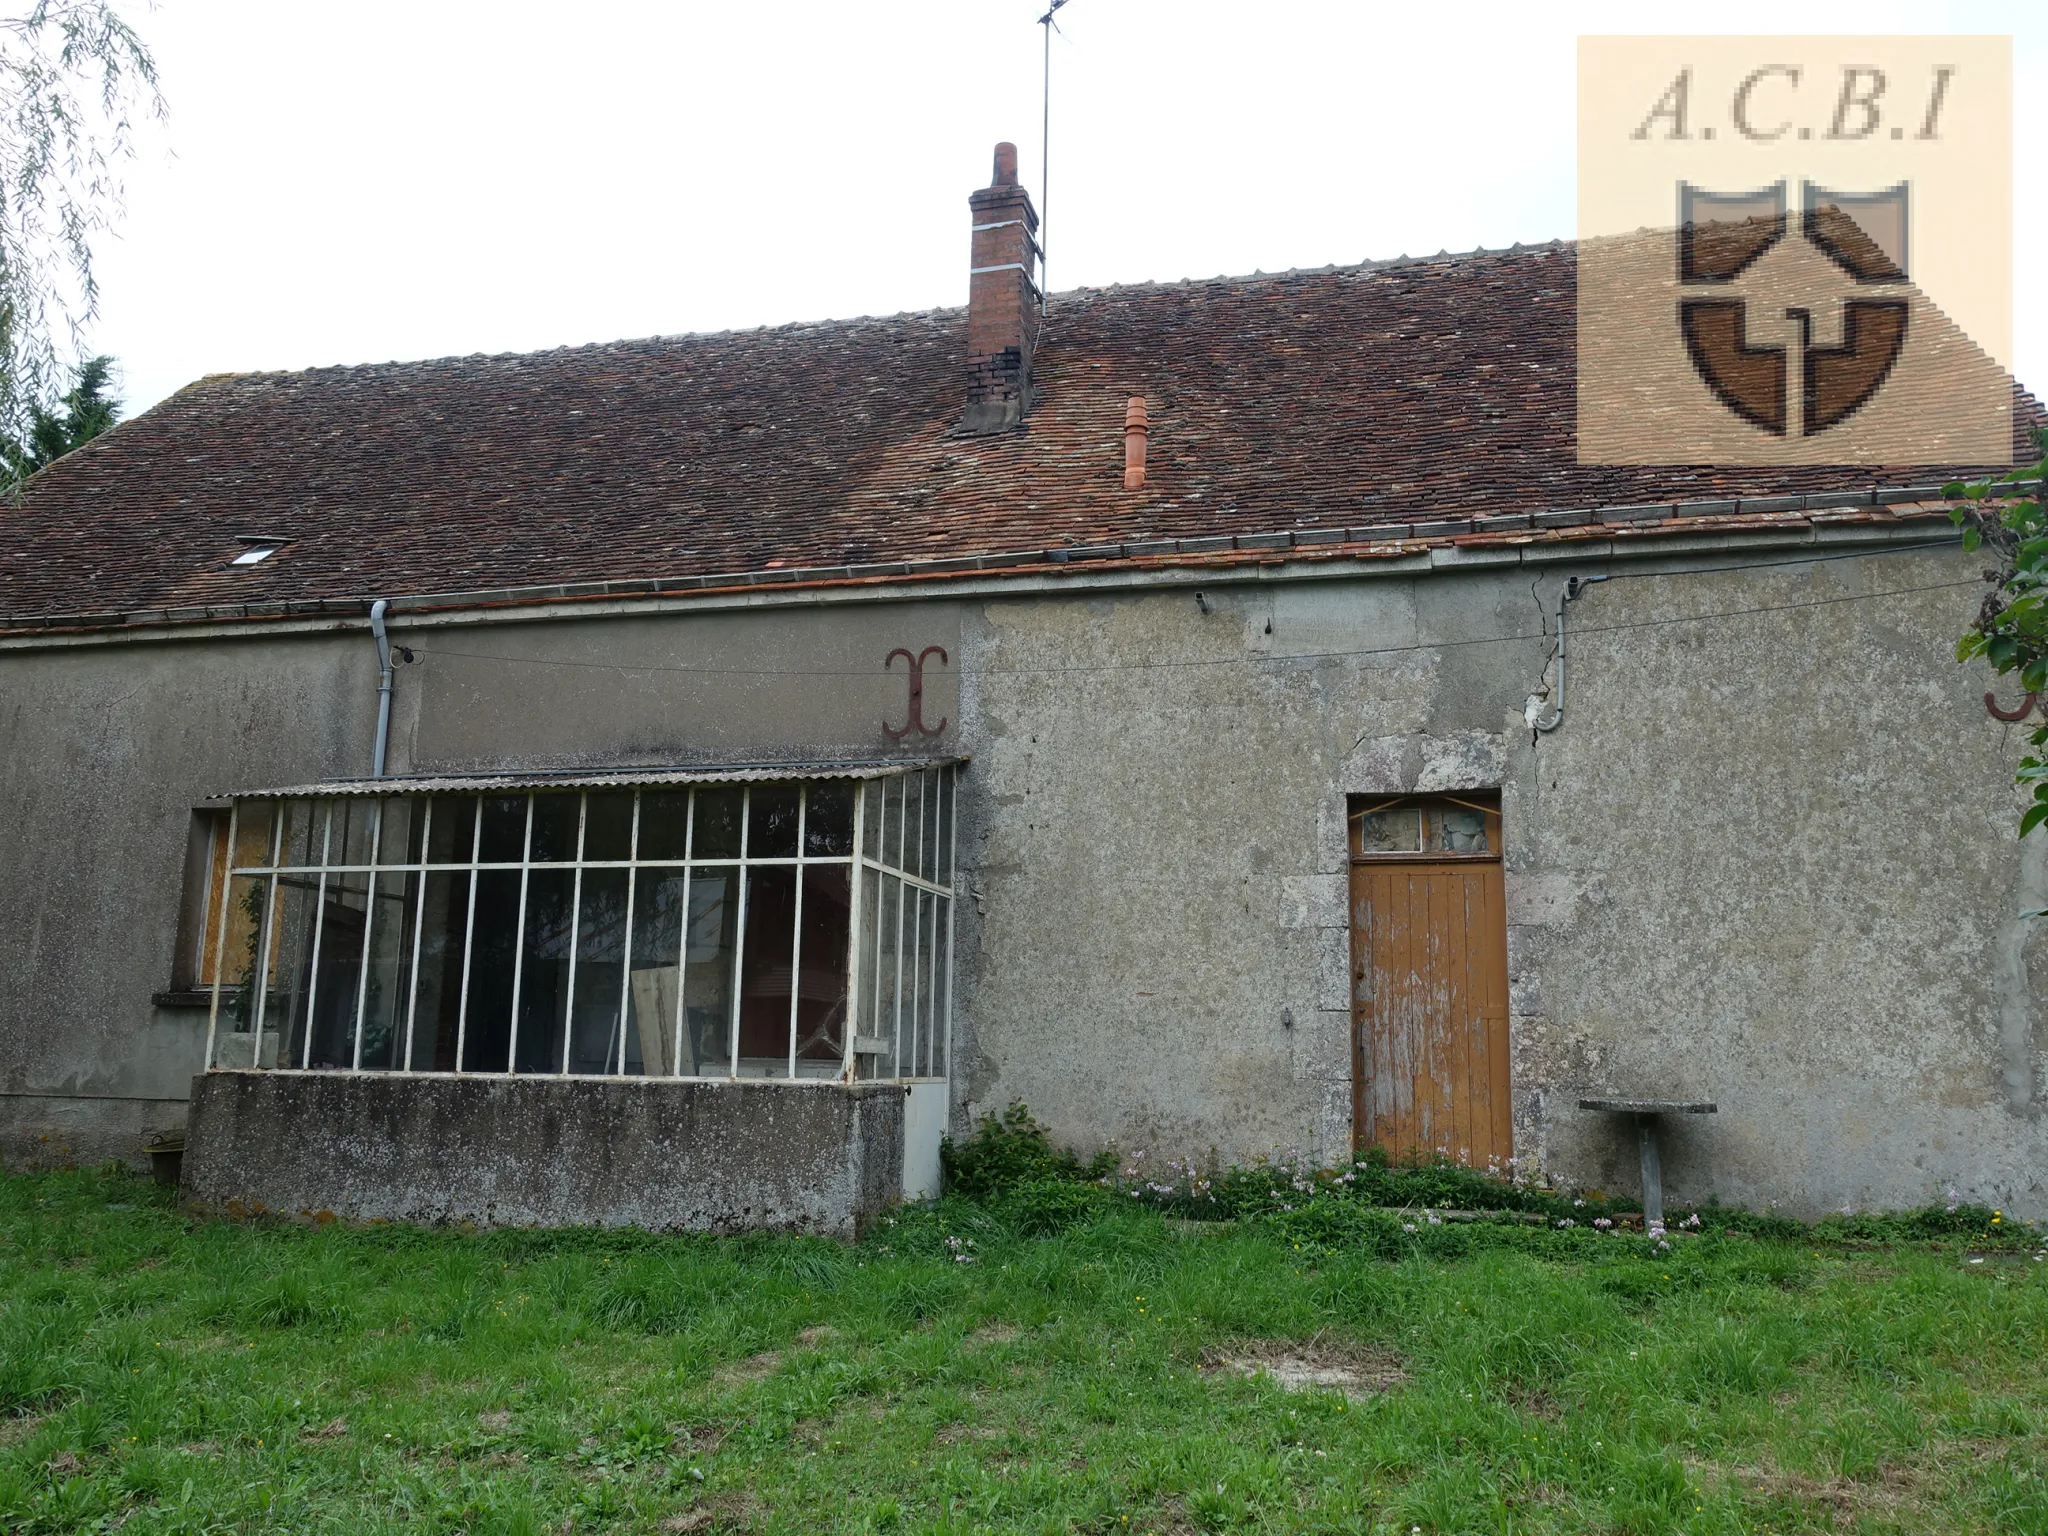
[{"x": 673, "y": 781}]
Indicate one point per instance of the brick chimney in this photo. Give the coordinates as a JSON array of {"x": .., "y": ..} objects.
[{"x": 1002, "y": 301}]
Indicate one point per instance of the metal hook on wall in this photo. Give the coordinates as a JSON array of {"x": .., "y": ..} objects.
[{"x": 2026, "y": 707}]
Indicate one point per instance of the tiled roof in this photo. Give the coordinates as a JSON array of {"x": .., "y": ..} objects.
[{"x": 1410, "y": 392}]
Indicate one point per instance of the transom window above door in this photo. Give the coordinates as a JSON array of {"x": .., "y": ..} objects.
[{"x": 1464, "y": 825}]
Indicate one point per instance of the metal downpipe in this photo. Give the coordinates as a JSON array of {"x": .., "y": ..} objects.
[
  {"x": 1570, "y": 593},
  {"x": 383, "y": 686}
]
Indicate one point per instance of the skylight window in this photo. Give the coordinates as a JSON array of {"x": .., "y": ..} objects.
[{"x": 258, "y": 551}]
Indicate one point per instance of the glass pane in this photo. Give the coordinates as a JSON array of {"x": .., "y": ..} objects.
[
  {"x": 453, "y": 838},
  {"x": 710, "y": 937},
  {"x": 1456, "y": 829},
  {"x": 241, "y": 912},
  {"x": 348, "y": 840},
  {"x": 828, "y": 821},
  {"x": 438, "y": 1010},
  {"x": 555, "y": 819},
  {"x": 888, "y": 974},
  {"x": 871, "y": 819},
  {"x": 909, "y": 842},
  {"x": 934, "y": 972},
  {"x": 252, "y": 833},
  {"x": 217, "y": 861},
  {"x": 771, "y": 822},
  {"x": 594, "y": 1017},
  {"x": 942, "y": 985},
  {"x": 1397, "y": 829},
  {"x": 943, "y": 865},
  {"x": 821, "y": 974},
  {"x": 866, "y": 1007},
  {"x": 766, "y": 971},
  {"x": 303, "y": 830},
  {"x": 504, "y": 830},
  {"x": 912, "y": 844},
  {"x": 234, "y": 1042},
  {"x": 888, "y": 849},
  {"x": 399, "y": 843},
  {"x": 390, "y": 979},
  {"x": 657, "y": 943},
  {"x": 718, "y": 824},
  {"x": 544, "y": 971},
  {"x": 487, "y": 1027},
  {"x": 288, "y": 1008},
  {"x": 664, "y": 824},
  {"x": 910, "y": 1035},
  {"x": 920, "y": 1064},
  {"x": 608, "y": 827},
  {"x": 928, "y": 825},
  {"x": 339, "y": 969}
]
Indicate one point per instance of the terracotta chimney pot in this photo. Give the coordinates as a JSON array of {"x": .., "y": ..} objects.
[{"x": 1136, "y": 428}]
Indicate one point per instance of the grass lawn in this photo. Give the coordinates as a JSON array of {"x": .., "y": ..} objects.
[{"x": 160, "y": 1373}]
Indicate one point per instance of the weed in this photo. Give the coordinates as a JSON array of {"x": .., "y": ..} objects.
[{"x": 1009, "y": 1150}]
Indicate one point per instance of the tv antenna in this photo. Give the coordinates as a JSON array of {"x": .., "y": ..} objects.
[{"x": 1045, "y": 149}]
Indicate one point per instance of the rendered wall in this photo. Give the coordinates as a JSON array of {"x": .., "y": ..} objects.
[
  {"x": 547, "y": 1152},
  {"x": 1768, "y": 859},
  {"x": 1771, "y": 860},
  {"x": 1155, "y": 948},
  {"x": 105, "y": 751}
]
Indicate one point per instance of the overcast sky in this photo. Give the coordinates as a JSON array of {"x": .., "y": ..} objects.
[{"x": 346, "y": 183}]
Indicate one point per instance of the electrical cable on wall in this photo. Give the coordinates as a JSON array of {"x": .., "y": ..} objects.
[{"x": 1258, "y": 658}]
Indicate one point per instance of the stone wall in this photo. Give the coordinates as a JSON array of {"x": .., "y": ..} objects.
[{"x": 524, "y": 1152}]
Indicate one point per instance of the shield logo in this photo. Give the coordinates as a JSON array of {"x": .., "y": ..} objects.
[{"x": 1722, "y": 236}]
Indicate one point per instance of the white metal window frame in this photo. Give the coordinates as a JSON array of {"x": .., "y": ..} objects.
[{"x": 930, "y": 1025}]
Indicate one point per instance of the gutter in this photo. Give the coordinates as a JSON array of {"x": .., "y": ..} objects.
[{"x": 1400, "y": 550}]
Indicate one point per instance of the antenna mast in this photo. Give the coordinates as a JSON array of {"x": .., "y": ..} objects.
[{"x": 1045, "y": 150}]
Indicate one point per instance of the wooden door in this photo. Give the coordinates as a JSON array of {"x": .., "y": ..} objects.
[{"x": 1430, "y": 1004}]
